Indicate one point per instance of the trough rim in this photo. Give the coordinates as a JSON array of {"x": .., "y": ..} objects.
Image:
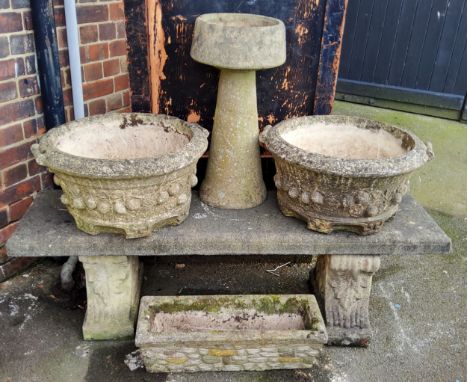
[{"x": 145, "y": 338}]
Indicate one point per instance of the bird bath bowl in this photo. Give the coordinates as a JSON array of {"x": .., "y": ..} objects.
[
  {"x": 238, "y": 44},
  {"x": 124, "y": 173},
  {"x": 229, "y": 333},
  {"x": 342, "y": 173}
]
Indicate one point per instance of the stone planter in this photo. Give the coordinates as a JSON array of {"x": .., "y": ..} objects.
[
  {"x": 124, "y": 173},
  {"x": 229, "y": 333},
  {"x": 342, "y": 173}
]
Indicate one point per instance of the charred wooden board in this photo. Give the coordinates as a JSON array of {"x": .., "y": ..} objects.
[
  {"x": 165, "y": 79},
  {"x": 137, "y": 47},
  {"x": 333, "y": 27}
]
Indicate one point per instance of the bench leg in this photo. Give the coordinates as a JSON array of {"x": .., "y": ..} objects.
[
  {"x": 113, "y": 293},
  {"x": 342, "y": 284}
]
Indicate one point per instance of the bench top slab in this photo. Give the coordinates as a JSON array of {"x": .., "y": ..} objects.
[{"x": 48, "y": 230}]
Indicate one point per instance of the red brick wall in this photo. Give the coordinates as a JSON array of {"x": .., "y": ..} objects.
[
  {"x": 105, "y": 88},
  {"x": 21, "y": 119},
  {"x": 103, "y": 56}
]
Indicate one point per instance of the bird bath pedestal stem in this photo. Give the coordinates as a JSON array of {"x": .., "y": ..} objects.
[
  {"x": 234, "y": 175},
  {"x": 238, "y": 44}
]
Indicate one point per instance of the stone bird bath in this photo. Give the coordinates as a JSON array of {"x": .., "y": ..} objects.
[
  {"x": 238, "y": 44},
  {"x": 124, "y": 173},
  {"x": 342, "y": 173}
]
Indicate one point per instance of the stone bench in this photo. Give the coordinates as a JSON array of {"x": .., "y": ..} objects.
[{"x": 342, "y": 277}]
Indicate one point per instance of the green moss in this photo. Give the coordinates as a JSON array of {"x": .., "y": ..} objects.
[
  {"x": 273, "y": 304},
  {"x": 210, "y": 305},
  {"x": 267, "y": 305}
]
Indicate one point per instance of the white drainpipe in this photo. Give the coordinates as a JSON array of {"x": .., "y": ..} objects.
[
  {"x": 66, "y": 275},
  {"x": 74, "y": 58}
]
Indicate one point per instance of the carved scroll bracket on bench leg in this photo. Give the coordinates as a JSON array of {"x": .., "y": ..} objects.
[
  {"x": 113, "y": 293},
  {"x": 343, "y": 284}
]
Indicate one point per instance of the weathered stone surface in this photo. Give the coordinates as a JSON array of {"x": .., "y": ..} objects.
[
  {"x": 343, "y": 286},
  {"x": 238, "y": 44},
  {"x": 354, "y": 183},
  {"x": 239, "y": 41},
  {"x": 113, "y": 292},
  {"x": 124, "y": 173},
  {"x": 219, "y": 345},
  {"x": 234, "y": 173},
  {"x": 48, "y": 230}
]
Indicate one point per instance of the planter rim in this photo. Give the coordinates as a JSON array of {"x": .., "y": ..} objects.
[
  {"x": 144, "y": 337},
  {"x": 417, "y": 156},
  {"x": 47, "y": 154}
]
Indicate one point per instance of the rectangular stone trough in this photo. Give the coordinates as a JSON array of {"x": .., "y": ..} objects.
[{"x": 229, "y": 333}]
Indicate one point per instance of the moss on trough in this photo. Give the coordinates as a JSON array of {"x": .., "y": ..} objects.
[{"x": 265, "y": 304}]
